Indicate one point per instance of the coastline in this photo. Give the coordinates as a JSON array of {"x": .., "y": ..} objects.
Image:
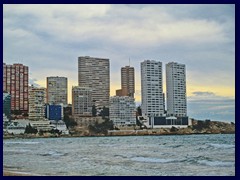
[
  {"x": 110, "y": 135},
  {"x": 14, "y": 173},
  {"x": 198, "y": 127}
]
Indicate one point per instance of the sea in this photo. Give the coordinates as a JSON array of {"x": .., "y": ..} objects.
[{"x": 166, "y": 155}]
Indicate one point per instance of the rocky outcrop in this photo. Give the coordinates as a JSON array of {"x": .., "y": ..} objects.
[{"x": 198, "y": 127}]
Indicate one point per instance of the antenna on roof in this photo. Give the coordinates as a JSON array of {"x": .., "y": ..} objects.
[{"x": 129, "y": 61}]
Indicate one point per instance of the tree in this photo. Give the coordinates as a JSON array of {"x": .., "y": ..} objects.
[
  {"x": 104, "y": 112},
  {"x": 139, "y": 111},
  {"x": 69, "y": 121},
  {"x": 30, "y": 130},
  {"x": 94, "y": 111},
  {"x": 101, "y": 128}
]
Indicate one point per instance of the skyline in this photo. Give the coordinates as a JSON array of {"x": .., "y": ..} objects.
[{"x": 52, "y": 37}]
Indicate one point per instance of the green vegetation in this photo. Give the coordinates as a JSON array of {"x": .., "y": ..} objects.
[
  {"x": 69, "y": 121},
  {"x": 139, "y": 111},
  {"x": 52, "y": 131},
  {"x": 30, "y": 130},
  {"x": 104, "y": 112},
  {"x": 201, "y": 125},
  {"x": 101, "y": 128},
  {"x": 94, "y": 111}
]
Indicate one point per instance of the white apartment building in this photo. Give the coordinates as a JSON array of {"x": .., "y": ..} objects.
[
  {"x": 81, "y": 101},
  {"x": 176, "y": 89},
  {"x": 151, "y": 88},
  {"x": 37, "y": 101},
  {"x": 122, "y": 110},
  {"x": 57, "y": 91},
  {"x": 94, "y": 73}
]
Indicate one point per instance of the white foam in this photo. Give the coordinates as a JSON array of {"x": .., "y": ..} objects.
[
  {"x": 216, "y": 163},
  {"x": 152, "y": 160},
  {"x": 225, "y": 146},
  {"x": 22, "y": 142}
]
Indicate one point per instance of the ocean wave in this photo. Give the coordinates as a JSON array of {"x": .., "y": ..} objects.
[
  {"x": 153, "y": 160},
  {"x": 17, "y": 151},
  {"x": 53, "y": 153},
  {"x": 216, "y": 163},
  {"x": 225, "y": 146},
  {"x": 22, "y": 142}
]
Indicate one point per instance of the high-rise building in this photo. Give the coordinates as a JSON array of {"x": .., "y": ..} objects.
[
  {"x": 81, "y": 101},
  {"x": 151, "y": 88},
  {"x": 37, "y": 101},
  {"x": 15, "y": 82},
  {"x": 57, "y": 91},
  {"x": 127, "y": 80},
  {"x": 7, "y": 105},
  {"x": 122, "y": 92},
  {"x": 176, "y": 89},
  {"x": 122, "y": 110},
  {"x": 94, "y": 73}
]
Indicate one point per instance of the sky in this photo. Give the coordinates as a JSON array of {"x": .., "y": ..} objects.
[{"x": 50, "y": 38}]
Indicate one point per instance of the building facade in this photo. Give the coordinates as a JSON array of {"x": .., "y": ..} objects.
[
  {"x": 7, "y": 105},
  {"x": 37, "y": 101},
  {"x": 176, "y": 89},
  {"x": 15, "y": 82},
  {"x": 94, "y": 73},
  {"x": 122, "y": 110},
  {"x": 81, "y": 101},
  {"x": 128, "y": 80},
  {"x": 151, "y": 88},
  {"x": 57, "y": 90}
]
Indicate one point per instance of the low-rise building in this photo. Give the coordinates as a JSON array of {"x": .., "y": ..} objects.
[
  {"x": 7, "y": 105},
  {"x": 87, "y": 120},
  {"x": 166, "y": 122},
  {"x": 60, "y": 125}
]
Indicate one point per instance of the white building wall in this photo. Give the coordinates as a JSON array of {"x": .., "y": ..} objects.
[
  {"x": 122, "y": 110},
  {"x": 176, "y": 89},
  {"x": 151, "y": 88}
]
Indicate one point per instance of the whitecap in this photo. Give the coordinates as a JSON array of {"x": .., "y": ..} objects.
[
  {"x": 20, "y": 142},
  {"x": 216, "y": 163},
  {"x": 53, "y": 153},
  {"x": 152, "y": 160},
  {"x": 225, "y": 146}
]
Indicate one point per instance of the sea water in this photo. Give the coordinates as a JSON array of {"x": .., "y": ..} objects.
[{"x": 168, "y": 155}]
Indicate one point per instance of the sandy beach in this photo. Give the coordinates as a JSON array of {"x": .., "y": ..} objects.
[{"x": 12, "y": 173}]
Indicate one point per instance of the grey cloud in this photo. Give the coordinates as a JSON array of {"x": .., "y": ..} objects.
[
  {"x": 207, "y": 105},
  {"x": 200, "y": 93},
  {"x": 49, "y": 38},
  {"x": 33, "y": 82},
  {"x": 219, "y": 109}
]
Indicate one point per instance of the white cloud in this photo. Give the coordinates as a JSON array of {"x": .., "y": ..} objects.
[{"x": 49, "y": 38}]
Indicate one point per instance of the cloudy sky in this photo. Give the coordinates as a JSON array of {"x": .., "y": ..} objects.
[{"x": 50, "y": 38}]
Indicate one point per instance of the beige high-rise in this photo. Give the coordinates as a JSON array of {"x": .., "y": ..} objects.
[
  {"x": 94, "y": 73},
  {"x": 37, "y": 101},
  {"x": 57, "y": 90},
  {"x": 127, "y": 81}
]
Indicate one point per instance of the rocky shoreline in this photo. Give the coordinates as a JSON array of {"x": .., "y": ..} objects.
[{"x": 197, "y": 127}]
